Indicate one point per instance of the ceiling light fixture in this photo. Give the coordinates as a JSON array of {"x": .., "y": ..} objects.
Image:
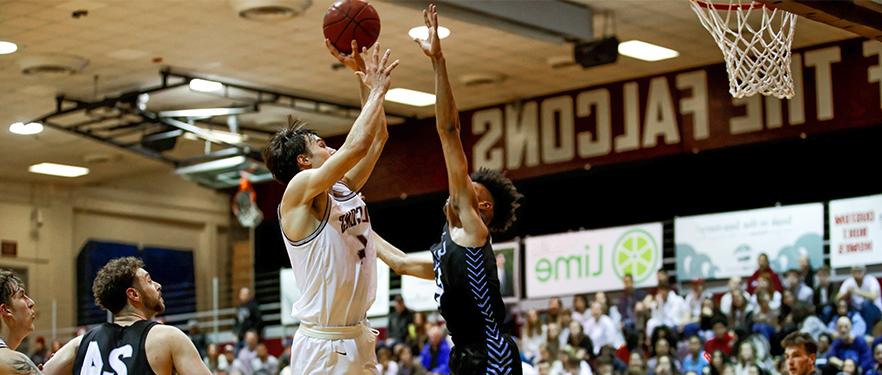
[
  {"x": 30, "y": 128},
  {"x": 218, "y": 135},
  {"x": 213, "y": 165},
  {"x": 203, "y": 85},
  {"x": 60, "y": 170},
  {"x": 7, "y": 47},
  {"x": 206, "y": 112},
  {"x": 410, "y": 97},
  {"x": 646, "y": 51},
  {"x": 422, "y": 32}
]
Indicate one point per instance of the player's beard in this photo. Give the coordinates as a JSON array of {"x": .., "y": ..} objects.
[{"x": 156, "y": 304}]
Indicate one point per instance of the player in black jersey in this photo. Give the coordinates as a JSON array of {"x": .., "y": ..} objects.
[
  {"x": 463, "y": 262},
  {"x": 133, "y": 343},
  {"x": 17, "y": 311}
]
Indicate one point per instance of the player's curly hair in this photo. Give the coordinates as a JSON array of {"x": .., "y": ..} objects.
[
  {"x": 506, "y": 198},
  {"x": 109, "y": 287},
  {"x": 9, "y": 284},
  {"x": 280, "y": 154}
]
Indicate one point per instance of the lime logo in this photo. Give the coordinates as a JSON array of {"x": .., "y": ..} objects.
[{"x": 635, "y": 253}]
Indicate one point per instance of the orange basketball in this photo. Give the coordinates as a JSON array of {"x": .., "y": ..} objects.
[{"x": 351, "y": 19}]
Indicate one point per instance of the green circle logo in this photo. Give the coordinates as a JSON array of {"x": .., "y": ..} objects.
[{"x": 635, "y": 253}]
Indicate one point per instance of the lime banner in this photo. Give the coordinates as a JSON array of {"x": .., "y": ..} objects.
[{"x": 593, "y": 260}]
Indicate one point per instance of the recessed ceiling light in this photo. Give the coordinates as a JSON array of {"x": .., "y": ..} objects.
[
  {"x": 646, "y": 51},
  {"x": 7, "y": 47},
  {"x": 410, "y": 97},
  {"x": 58, "y": 170},
  {"x": 26, "y": 129},
  {"x": 203, "y": 85},
  {"x": 422, "y": 32}
]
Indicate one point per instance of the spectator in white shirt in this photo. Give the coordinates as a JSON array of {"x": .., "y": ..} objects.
[
  {"x": 667, "y": 309},
  {"x": 580, "y": 308},
  {"x": 863, "y": 292},
  {"x": 735, "y": 287},
  {"x": 533, "y": 335},
  {"x": 264, "y": 363},
  {"x": 600, "y": 328}
]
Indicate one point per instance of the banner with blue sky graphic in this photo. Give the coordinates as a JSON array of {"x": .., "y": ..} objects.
[{"x": 722, "y": 245}]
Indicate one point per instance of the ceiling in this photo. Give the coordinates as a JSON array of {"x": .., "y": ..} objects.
[{"x": 127, "y": 43}]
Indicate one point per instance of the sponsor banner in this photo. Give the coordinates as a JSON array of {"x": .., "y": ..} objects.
[
  {"x": 592, "y": 260},
  {"x": 290, "y": 293},
  {"x": 723, "y": 245},
  {"x": 856, "y": 231}
]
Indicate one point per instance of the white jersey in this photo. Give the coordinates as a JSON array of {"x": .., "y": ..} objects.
[{"x": 335, "y": 266}]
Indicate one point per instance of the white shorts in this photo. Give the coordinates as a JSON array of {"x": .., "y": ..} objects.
[{"x": 319, "y": 356}]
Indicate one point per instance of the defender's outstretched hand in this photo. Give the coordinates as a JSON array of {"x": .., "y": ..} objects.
[{"x": 431, "y": 46}]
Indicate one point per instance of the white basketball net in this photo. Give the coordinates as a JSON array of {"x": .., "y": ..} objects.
[{"x": 757, "y": 55}]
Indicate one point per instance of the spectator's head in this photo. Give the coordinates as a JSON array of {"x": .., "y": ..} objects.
[
  {"x": 533, "y": 317},
  {"x": 735, "y": 284},
  {"x": 858, "y": 273},
  {"x": 738, "y": 301},
  {"x": 565, "y": 317},
  {"x": 55, "y": 347},
  {"x": 804, "y": 262},
  {"x": 664, "y": 366},
  {"x": 435, "y": 336},
  {"x": 698, "y": 286},
  {"x": 842, "y": 307},
  {"x": 251, "y": 339},
  {"x": 746, "y": 354},
  {"x": 544, "y": 353},
  {"x": 824, "y": 341},
  {"x": 793, "y": 277},
  {"x": 405, "y": 357},
  {"x": 718, "y": 360},
  {"x": 663, "y": 289},
  {"x": 605, "y": 367},
  {"x": 636, "y": 360},
  {"x": 419, "y": 319},
  {"x": 553, "y": 331},
  {"x": 694, "y": 345},
  {"x": 877, "y": 353},
  {"x": 262, "y": 351},
  {"x": 192, "y": 326},
  {"x": 384, "y": 354},
  {"x": 720, "y": 327},
  {"x": 662, "y": 347},
  {"x": 229, "y": 353},
  {"x": 601, "y": 297},
  {"x": 763, "y": 261},
  {"x": 244, "y": 295},
  {"x": 843, "y": 328},
  {"x": 580, "y": 303},
  {"x": 707, "y": 307},
  {"x": 849, "y": 367},
  {"x": 213, "y": 351},
  {"x": 799, "y": 353},
  {"x": 575, "y": 329},
  {"x": 399, "y": 304},
  {"x": 554, "y": 305},
  {"x": 787, "y": 298},
  {"x": 824, "y": 275},
  {"x": 662, "y": 276},
  {"x": 39, "y": 344},
  {"x": 628, "y": 280},
  {"x": 763, "y": 282},
  {"x": 596, "y": 309}
]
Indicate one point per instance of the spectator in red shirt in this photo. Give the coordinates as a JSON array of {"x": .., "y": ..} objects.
[
  {"x": 722, "y": 341},
  {"x": 764, "y": 269}
]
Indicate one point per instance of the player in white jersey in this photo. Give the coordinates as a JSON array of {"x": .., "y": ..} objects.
[{"x": 327, "y": 229}]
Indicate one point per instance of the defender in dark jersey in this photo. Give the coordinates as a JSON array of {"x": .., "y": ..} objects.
[
  {"x": 464, "y": 265},
  {"x": 133, "y": 343},
  {"x": 17, "y": 311}
]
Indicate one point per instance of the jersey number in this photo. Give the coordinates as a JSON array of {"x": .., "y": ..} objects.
[{"x": 94, "y": 364}]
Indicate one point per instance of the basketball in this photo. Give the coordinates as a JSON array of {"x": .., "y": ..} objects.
[{"x": 351, "y": 19}]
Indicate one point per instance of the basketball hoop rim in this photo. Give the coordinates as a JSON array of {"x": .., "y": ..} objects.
[{"x": 729, "y": 6}]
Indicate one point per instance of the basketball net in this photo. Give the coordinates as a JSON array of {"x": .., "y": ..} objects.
[
  {"x": 755, "y": 40},
  {"x": 244, "y": 203}
]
